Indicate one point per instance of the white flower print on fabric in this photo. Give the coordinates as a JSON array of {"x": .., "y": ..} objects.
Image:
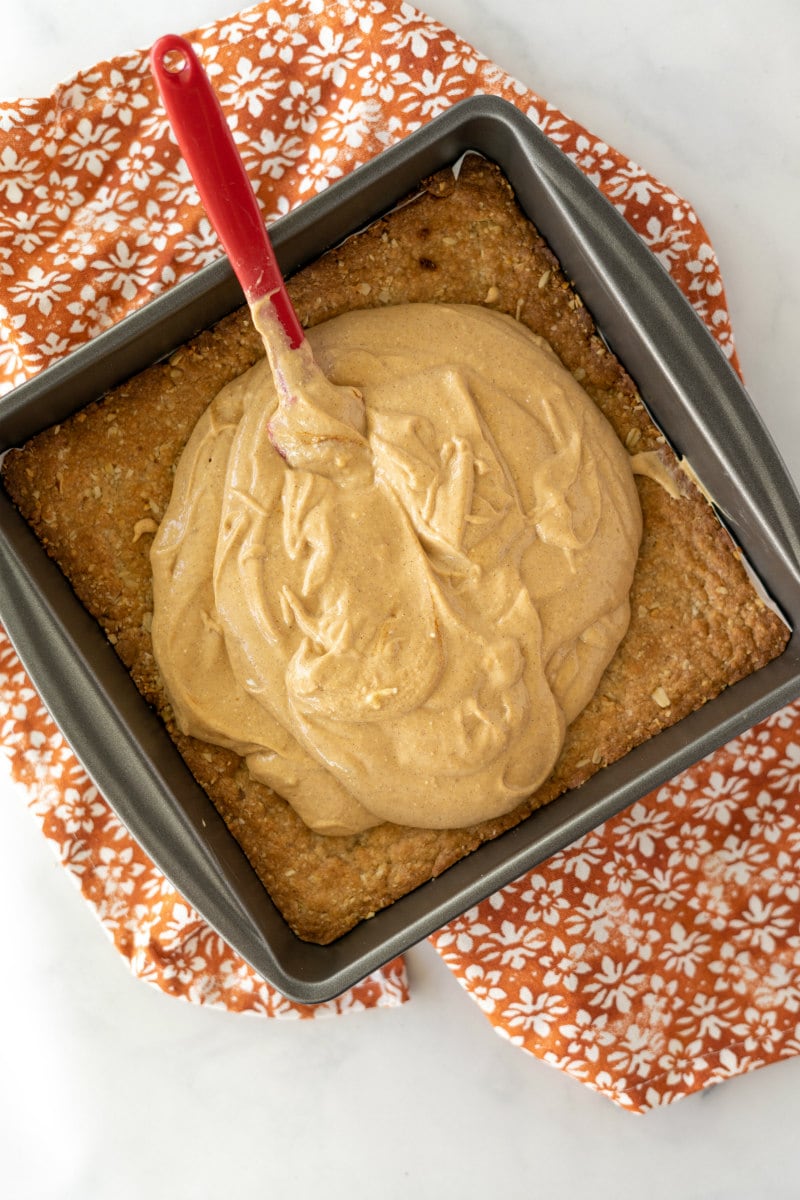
[
  {"x": 252, "y": 86},
  {"x": 18, "y": 175},
  {"x": 40, "y": 289},
  {"x": 332, "y": 56}
]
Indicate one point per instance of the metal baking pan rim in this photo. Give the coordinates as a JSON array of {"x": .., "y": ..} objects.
[{"x": 199, "y": 862}]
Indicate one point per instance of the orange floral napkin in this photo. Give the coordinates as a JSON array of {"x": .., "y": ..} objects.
[{"x": 661, "y": 952}]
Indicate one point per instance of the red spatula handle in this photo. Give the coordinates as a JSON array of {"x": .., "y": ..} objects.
[{"x": 210, "y": 152}]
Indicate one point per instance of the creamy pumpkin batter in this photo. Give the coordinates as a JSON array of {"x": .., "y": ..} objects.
[{"x": 394, "y": 566}]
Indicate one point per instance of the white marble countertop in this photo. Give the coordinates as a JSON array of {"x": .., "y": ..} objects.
[{"x": 112, "y": 1090}]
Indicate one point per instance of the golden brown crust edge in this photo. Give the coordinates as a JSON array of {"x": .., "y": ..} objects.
[{"x": 95, "y": 488}]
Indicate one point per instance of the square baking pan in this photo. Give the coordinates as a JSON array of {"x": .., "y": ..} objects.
[{"x": 692, "y": 394}]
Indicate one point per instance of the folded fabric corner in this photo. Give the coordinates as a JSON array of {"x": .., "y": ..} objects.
[{"x": 660, "y": 953}]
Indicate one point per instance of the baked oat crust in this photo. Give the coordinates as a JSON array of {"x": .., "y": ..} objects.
[{"x": 95, "y": 488}]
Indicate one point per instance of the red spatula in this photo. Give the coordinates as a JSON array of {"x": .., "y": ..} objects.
[
  {"x": 208, "y": 147},
  {"x": 306, "y": 398}
]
